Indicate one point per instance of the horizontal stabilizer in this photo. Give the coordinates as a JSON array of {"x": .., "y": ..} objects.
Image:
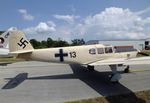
[{"x": 21, "y": 52}]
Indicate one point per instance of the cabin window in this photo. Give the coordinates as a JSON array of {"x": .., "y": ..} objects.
[
  {"x": 100, "y": 50},
  {"x": 92, "y": 51},
  {"x": 108, "y": 50}
]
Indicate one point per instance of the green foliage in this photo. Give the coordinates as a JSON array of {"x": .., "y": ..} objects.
[
  {"x": 146, "y": 52},
  {"x": 55, "y": 43},
  {"x": 1, "y": 32},
  {"x": 129, "y": 97},
  {"x": 61, "y": 43},
  {"x": 10, "y": 59},
  {"x": 50, "y": 42},
  {"x": 43, "y": 44},
  {"x": 36, "y": 44},
  {"x": 78, "y": 42}
]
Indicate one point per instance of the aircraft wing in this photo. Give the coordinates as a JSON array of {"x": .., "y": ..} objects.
[
  {"x": 139, "y": 60},
  {"x": 124, "y": 61}
]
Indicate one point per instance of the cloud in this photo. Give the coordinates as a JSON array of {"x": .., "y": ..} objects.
[
  {"x": 68, "y": 18},
  {"x": 112, "y": 23},
  {"x": 25, "y": 14},
  {"x": 143, "y": 11},
  {"x": 41, "y": 28}
]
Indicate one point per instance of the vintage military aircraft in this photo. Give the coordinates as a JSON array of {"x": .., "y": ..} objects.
[
  {"x": 4, "y": 38},
  {"x": 89, "y": 55}
]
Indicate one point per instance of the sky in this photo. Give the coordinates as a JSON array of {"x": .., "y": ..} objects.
[{"x": 71, "y": 19}]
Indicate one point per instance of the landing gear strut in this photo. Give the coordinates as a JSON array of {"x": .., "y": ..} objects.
[
  {"x": 90, "y": 68},
  {"x": 115, "y": 76}
]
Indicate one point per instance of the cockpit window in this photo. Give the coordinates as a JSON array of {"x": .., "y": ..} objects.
[
  {"x": 100, "y": 50},
  {"x": 108, "y": 50},
  {"x": 92, "y": 51}
]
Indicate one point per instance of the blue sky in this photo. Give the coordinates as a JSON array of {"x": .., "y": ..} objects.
[{"x": 69, "y": 19}]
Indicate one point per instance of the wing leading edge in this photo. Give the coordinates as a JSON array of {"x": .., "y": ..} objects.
[{"x": 124, "y": 61}]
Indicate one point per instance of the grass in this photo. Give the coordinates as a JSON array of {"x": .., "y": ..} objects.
[
  {"x": 10, "y": 59},
  {"x": 138, "y": 97},
  {"x": 146, "y": 51}
]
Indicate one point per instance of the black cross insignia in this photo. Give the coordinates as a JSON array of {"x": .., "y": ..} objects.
[
  {"x": 61, "y": 55},
  {"x": 22, "y": 43}
]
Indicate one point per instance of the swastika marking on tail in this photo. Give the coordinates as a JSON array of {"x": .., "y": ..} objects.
[{"x": 23, "y": 43}]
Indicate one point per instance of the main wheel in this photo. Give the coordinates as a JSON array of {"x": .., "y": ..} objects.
[
  {"x": 90, "y": 68},
  {"x": 127, "y": 70}
]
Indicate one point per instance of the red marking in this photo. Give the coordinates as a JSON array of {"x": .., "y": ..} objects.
[{"x": 123, "y": 46}]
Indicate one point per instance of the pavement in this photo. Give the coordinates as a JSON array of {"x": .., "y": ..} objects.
[{"x": 40, "y": 82}]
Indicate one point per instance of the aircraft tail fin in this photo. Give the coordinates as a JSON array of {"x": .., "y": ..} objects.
[
  {"x": 18, "y": 43},
  {"x": 4, "y": 38}
]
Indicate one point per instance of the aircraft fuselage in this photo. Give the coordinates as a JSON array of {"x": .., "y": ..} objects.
[{"x": 79, "y": 54}]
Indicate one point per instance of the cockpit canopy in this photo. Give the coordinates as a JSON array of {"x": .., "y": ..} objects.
[{"x": 105, "y": 49}]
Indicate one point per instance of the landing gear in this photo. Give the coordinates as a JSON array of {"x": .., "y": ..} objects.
[
  {"x": 127, "y": 70},
  {"x": 90, "y": 68},
  {"x": 115, "y": 76}
]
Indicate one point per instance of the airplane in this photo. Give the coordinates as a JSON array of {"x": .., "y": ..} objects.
[
  {"x": 4, "y": 37},
  {"x": 87, "y": 55},
  {"x": 3, "y": 44},
  {"x": 4, "y": 52}
]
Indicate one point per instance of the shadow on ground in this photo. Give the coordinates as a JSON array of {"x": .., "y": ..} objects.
[
  {"x": 98, "y": 81},
  {"x": 5, "y": 63},
  {"x": 14, "y": 82}
]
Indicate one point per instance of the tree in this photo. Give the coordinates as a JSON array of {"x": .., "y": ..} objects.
[
  {"x": 50, "y": 42},
  {"x": 60, "y": 43},
  {"x": 77, "y": 42},
  {"x": 44, "y": 44},
  {"x": 36, "y": 44},
  {"x": 54, "y": 43}
]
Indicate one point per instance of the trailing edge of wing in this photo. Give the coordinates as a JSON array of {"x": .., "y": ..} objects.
[{"x": 110, "y": 61}]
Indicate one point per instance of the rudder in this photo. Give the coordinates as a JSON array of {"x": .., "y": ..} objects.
[{"x": 18, "y": 43}]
